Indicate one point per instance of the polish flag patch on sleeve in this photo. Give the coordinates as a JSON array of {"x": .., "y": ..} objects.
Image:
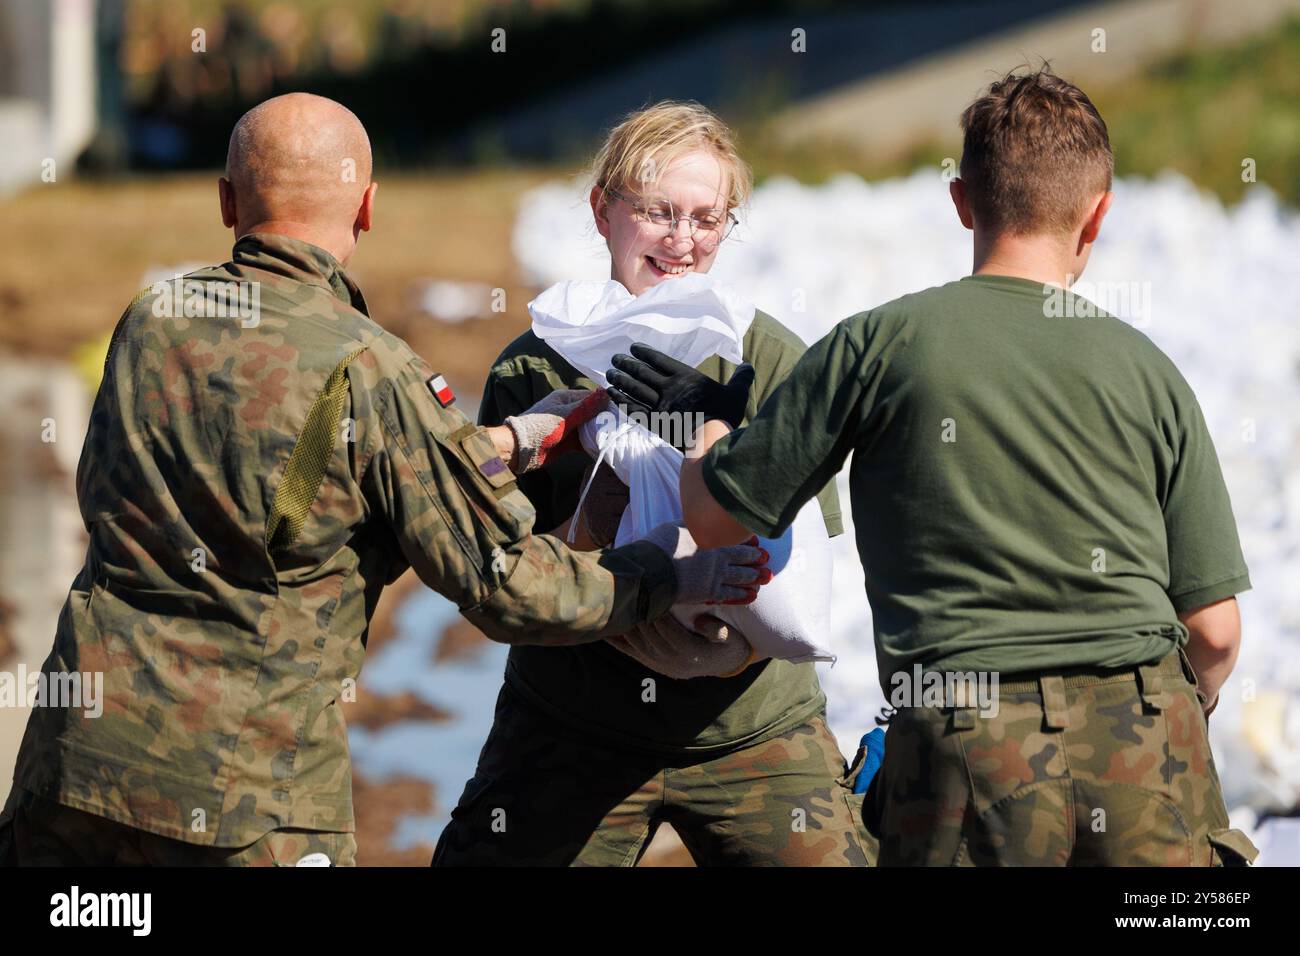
[{"x": 441, "y": 390}]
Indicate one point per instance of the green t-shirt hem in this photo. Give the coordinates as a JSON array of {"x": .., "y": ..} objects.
[
  {"x": 1200, "y": 597},
  {"x": 1118, "y": 653}
]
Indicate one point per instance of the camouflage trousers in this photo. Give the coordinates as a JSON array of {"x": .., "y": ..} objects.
[
  {"x": 39, "y": 832},
  {"x": 543, "y": 797},
  {"x": 1101, "y": 768}
]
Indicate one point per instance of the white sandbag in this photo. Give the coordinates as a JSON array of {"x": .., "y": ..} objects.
[{"x": 690, "y": 319}]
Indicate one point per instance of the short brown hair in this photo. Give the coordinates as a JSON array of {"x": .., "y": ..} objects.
[
  {"x": 648, "y": 140},
  {"x": 1035, "y": 151}
]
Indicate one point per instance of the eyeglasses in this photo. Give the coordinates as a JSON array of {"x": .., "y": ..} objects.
[{"x": 707, "y": 229}]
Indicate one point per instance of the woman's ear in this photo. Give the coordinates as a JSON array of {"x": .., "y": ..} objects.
[{"x": 600, "y": 210}]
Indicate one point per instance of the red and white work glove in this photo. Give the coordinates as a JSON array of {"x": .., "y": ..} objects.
[
  {"x": 728, "y": 575},
  {"x": 551, "y": 427}
]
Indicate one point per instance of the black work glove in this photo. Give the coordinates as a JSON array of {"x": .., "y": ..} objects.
[{"x": 649, "y": 381}]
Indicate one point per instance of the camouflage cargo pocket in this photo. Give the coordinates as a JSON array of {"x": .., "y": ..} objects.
[
  {"x": 1229, "y": 847},
  {"x": 857, "y": 809},
  {"x": 1190, "y": 674},
  {"x": 482, "y": 453}
]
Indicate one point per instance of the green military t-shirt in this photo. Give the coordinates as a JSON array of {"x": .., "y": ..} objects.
[
  {"x": 1033, "y": 485},
  {"x": 598, "y": 688}
]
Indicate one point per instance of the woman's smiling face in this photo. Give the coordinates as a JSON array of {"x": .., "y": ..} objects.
[{"x": 642, "y": 254}]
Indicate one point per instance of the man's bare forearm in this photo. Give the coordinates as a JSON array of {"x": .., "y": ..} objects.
[
  {"x": 1213, "y": 645},
  {"x": 707, "y": 521}
]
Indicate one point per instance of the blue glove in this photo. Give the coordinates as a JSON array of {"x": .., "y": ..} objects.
[{"x": 872, "y": 750}]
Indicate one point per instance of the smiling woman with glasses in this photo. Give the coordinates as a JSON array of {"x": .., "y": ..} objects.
[
  {"x": 707, "y": 228},
  {"x": 592, "y": 747}
]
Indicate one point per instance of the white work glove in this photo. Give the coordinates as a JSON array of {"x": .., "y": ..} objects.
[
  {"x": 667, "y": 647},
  {"x": 550, "y": 428},
  {"x": 727, "y": 575}
]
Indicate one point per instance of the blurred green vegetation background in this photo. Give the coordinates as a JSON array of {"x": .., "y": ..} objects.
[{"x": 1198, "y": 113}]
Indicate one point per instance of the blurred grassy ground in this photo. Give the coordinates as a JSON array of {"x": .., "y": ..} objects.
[{"x": 74, "y": 253}]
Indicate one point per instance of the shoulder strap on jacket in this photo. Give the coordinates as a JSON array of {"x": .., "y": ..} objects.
[{"x": 311, "y": 453}]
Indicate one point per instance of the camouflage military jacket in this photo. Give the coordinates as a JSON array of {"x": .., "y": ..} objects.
[{"x": 227, "y": 609}]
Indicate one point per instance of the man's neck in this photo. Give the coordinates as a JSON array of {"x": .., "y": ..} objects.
[
  {"x": 304, "y": 232},
  {"x": 1037, "y": 258}
]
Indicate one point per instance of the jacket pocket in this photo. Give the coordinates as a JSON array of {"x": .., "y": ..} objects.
[{"x": 1229, "y": 847}]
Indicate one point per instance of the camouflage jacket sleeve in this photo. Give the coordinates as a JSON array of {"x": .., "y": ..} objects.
[{"x": 435, "y": 479}]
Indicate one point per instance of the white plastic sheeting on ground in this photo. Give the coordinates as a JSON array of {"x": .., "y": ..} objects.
[{"x": 1213, "y": 287}]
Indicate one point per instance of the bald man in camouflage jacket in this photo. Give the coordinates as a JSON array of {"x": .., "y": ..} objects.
[{"x": 262, "y": 459}]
